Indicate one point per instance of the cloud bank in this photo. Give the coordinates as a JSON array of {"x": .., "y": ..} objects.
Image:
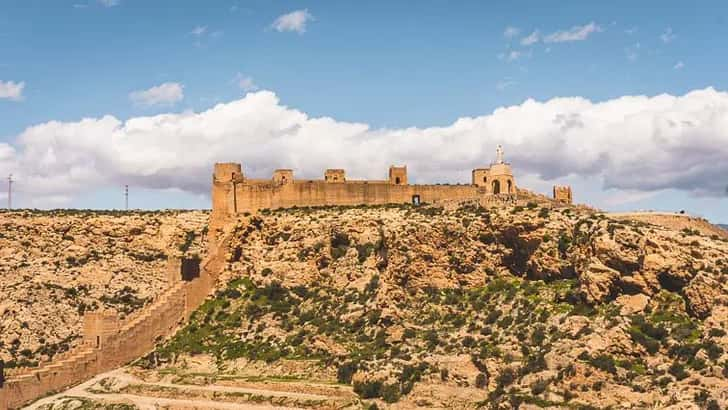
[{"x": 634, "y": 143}]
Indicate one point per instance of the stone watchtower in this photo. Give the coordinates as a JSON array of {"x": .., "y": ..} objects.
[
  {"x": 99, "y": 326},
  {"x": 223, "y": 181},
  {"x": 480, "y": 177},
  {"x": 398, "y": 175},
  {"x": 562, "y": 193},
  {"x": 335, "y": 175},
  {"x": 283, "y": 176}
]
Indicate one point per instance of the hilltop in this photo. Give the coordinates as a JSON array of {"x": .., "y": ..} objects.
[
  {"x": 402, "y": 306},
  {"x": 462, "y": 308}
]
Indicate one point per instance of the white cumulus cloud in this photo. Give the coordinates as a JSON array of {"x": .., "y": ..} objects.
[
  {"x": 631, "y": 143},
  {"x": 11, "y": 90},
  {"x": 163, "y": 94},
  {"x": 576, "y": 33},
  {"x": 293, "y": 21}
]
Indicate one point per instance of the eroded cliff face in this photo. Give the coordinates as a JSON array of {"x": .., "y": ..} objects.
[
  {"x": 420, "y": 306},
  {"x": 56, "y": 265}
]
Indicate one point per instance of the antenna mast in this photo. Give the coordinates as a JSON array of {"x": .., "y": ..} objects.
[{"x": 10, "y": 191}]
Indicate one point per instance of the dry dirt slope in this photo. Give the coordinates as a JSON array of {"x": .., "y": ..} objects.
[
  {"x": 56, "y": 265},
  {"x": 420, "y": 307}
]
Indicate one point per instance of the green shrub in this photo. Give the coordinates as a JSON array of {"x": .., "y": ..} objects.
[
  {"x": 678, "y": 371},
  {"x": 481, "y": 381},
  {"x": 539, "y": 386},
  {"x": 716, "y": 332},
  {"x": 345, "y": 372},
  {"x": 390, "y": 393},
  {"x": 369, "y": 389},
  {"x": 364, "y": 251},
  {"x": 506, "y": 377},
  {"x": 444, "y": 374},
  {"x": 604, "y": 362}
]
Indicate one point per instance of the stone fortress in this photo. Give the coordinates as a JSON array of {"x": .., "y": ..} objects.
[
  {"x": 234, "y": 193},
  {"x": 109, "y": 343}
]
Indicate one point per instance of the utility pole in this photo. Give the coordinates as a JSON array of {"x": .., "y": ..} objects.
[
  {"x": 10, "y": 191},
  {"x": 126, "y": 197}
]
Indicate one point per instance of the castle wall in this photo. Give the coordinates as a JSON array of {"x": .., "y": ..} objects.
[
  {"x": 252, "y": 197},
  {"x": 109, "y": 343}
]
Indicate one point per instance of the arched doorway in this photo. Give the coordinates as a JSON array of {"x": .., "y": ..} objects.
[
  {"x": 397, "y": 180},
  {"x": 510, "y": 186},
  {"x": 496, "y": 187}
]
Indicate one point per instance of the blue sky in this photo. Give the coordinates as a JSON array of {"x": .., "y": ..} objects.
[{"x": 388, "y": 64}]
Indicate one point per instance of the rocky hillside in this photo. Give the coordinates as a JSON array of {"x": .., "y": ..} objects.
[
  {"x": 56, "y": 265},
  {"x": 525, "y": 306}
]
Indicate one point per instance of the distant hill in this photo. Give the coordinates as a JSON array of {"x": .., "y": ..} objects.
[{"x": 724, "y": 226}]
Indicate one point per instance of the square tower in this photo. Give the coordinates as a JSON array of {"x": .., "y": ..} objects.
[
  {"x": 98, "y": 326},
  {"x": 481, "y": 177},
  {"x": 398, "y": 175},
  {"x": 562, "y": 193},
  {"x": 283, "y": 176},
  {"x": 227, "y": 172},
  {"x": 335, "y": 175}
]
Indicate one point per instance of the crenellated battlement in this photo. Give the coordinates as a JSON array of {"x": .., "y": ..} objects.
[{"x": 233, "y": 193}]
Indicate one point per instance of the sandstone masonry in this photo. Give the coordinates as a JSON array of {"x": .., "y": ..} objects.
[
  {"x": 109, "y": 343},
  {"x": 234, "y": 193}
]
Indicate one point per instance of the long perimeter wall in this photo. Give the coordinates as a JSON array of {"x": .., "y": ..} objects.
[
  {"x": 109, "y": 343},
  {"x": 233, "y": 193},
  {"x": 251, "y": 197}
]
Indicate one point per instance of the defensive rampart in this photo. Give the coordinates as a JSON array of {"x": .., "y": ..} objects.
[
  {"x": 233, "y": 193},
  {"x": 109, "y": 343}
]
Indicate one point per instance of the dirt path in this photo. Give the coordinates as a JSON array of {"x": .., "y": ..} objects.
[{"x": 145, "y": 402}]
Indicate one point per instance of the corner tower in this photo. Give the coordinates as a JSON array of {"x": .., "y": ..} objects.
[{"x": 224, "y": 177}]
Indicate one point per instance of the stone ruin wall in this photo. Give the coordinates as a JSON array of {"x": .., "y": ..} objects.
[{"x": 109, "y": 343}]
